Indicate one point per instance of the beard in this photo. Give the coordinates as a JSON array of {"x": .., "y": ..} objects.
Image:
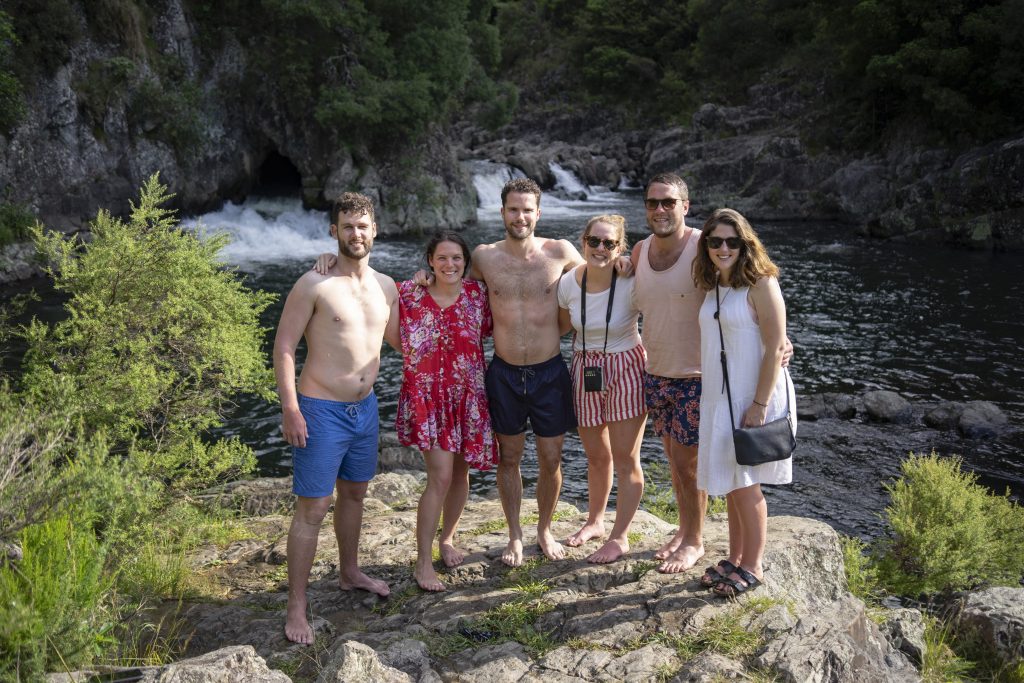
[
  {"x": 355, "y": 251},
  {"x": 518, "y": 233}
]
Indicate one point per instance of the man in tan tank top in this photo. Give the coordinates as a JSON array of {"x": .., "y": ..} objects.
[
  {"x": 332, "y": 420},
  {"x": 669, "y": 301}
]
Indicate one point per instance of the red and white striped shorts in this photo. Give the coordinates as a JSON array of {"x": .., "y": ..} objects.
[{"x": 622, "y": 395}]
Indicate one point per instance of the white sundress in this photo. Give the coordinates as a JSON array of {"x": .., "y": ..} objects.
[{"x": 717, "y": 471}]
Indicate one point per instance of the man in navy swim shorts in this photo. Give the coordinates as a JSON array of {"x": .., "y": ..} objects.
[{"x": 331, "y": 420}]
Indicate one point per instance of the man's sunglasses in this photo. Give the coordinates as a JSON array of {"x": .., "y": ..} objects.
[
  {"x": 595, "y": 242},
  {"x": 731, "y": 242},
  {"x": 667, "y": 204}
]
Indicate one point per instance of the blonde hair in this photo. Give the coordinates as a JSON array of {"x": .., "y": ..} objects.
[
  {"x": 613, "y": 219},
  {"x": 752, "y": 263}
]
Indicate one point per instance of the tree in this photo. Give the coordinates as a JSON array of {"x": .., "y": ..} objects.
[{"x": 159, "y": 339}]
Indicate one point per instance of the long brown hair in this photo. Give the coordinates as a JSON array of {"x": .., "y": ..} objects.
[{"x": 752, "y": 263}]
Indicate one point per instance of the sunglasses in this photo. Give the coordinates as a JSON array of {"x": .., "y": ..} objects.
[
  {"x": 667, "y": 204},
  {"x": 595, "y": 242},
  {"x": 731, "y": 242}
]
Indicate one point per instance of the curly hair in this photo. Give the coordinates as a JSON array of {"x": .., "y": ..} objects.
[
  {"x": 613, "y": 219},
  {"x": 351, "y": 202},
  {"x": 521, "y": 185},
  {"x": 752, "y": 263}
]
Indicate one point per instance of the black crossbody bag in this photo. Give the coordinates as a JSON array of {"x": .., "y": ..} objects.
[{"x": 771, "y": 441}]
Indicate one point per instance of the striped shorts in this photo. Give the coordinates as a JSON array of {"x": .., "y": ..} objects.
[{"x": 622, "y": 396}]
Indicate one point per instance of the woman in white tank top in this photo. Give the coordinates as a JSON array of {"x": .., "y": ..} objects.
[{"x": 607, "y": 376}]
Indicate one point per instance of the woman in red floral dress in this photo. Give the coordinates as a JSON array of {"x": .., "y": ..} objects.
[{"x": 442, "y": 407}]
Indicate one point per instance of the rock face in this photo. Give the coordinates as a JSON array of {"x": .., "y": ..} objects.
[
  {"x": 996, "y": 617},
  {"x": 76, "y": 153},
  {"x": 548, "y": 620},
  {"x": 235, "y": 664}
]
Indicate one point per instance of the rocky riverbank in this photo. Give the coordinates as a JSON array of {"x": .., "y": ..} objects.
[{"x": 550, "y": 621}]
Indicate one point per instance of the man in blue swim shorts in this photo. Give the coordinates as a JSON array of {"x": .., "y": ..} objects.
[{"x": 331, "y": 420}]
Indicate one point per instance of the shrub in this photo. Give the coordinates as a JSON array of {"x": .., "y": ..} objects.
[
  {"x": 947, "y": 532},
  {"x": 53, "y": 611},
  {"x": 158, "y": 341},
  {"x": 16, "y": 221}
]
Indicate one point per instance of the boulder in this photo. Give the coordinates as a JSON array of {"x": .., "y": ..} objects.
[
  {"x": 887, "y": 406},
  {"x": 995, "y": 616},
  {"x": 981, "y": 420},
  {"x": 352, "y": 662},
  {"x": 827, "y": 405},
  {"x": 394, "y": 488},
  {"x": 904, "y": 628},
  {"x": 944, "y": 416}
]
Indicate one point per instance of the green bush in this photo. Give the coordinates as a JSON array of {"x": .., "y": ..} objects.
[
  {"x": 16, "y": 221},
  {"x": 54, "y": 614},
  {"x": 12, "y": 105},
  {"x": 159, "y": 339},
  {"x": 947, "y": 532}
]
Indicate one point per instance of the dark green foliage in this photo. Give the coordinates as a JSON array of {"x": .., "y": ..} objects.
[
  {"x": 15, "y": 222},
  {"x": 169, "y": 110},
  {"x": 12, "y": 106},
  {"x": 46, "y": 30},
  {"x": 105, "y": 83}
]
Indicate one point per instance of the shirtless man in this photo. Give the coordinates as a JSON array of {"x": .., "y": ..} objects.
[
  {"x": 527, "y": 378},
  {"x": 332, "y": 421}
]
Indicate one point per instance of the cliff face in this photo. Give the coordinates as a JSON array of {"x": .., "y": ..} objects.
[{"x": 104, "y": 122}]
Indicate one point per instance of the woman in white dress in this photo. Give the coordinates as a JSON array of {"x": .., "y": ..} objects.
[{"x": 731, "y": 259}]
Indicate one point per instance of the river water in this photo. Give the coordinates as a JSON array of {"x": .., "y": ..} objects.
[{"x": 928, "y": 322}]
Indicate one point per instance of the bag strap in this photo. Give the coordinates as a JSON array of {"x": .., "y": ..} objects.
[
  {"x": 583, "y": 310},
  {"x": 725, "y": 365}
]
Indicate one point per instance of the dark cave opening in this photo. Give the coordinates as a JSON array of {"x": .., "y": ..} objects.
[{"x": 277, "y": 177}]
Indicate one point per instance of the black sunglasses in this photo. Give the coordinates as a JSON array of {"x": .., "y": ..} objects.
[
  {"x": 731, "y": 242},
  {"x": 667, "y": 204},
  {"x": 595, "y": 242}
]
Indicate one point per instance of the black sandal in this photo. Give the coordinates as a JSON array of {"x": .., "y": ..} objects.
[
  {"x": 730, "y": 588},
  {"x": 714, "y": 575}
]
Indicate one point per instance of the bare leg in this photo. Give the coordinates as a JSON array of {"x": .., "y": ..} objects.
[
  {"x": 510, "y": 490},
  {"x": 549, "y": 485},
  {"x": 348, "y": 521},
  {"x": 673, "y": 543},
  {"x": 693, "y": 505},
  {"x": 753, "y": 514},
  {"x": 454, "y": 504},
  {"x": 599, "y": 483},
  {"x": 735, "y": 530},
  {"x": 625, "y": 437},
  {"x": 301, "y": 549},
  {"x": 439, "y": 477}
]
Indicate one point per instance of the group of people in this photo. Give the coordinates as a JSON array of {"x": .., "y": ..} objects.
[{"x": 461, "y": 412}]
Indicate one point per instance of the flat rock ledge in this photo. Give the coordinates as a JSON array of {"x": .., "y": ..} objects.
[{"x": 564, "y": 620}]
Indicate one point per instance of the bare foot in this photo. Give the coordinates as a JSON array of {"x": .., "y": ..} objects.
[
  {"x": 296, "y": 627},
  {"x": 682, "y": 559},
  {"x": 451, "y": 555},
  {"x": 426, "y": 577},
  {"x": 552, "y": 549},
  {"x": 513, "y": 555},
  {"x": 609, "y": 552},
  {"x": 364, "y": 582},
  {"x": 673, "y": 545},
  {"x": 588, "y": 532}
]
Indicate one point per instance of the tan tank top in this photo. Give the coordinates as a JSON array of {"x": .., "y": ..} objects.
[{"x": 670, "y": 303}]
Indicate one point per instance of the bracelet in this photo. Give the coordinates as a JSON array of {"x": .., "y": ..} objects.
[{"x": 763, "y": 405}]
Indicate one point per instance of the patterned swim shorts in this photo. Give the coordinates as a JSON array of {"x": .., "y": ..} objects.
[{"x": 674, "y": 407}]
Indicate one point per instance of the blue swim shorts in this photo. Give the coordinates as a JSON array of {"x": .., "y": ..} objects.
[
  {"x": 674, "y": 407},
  {"x": 541, "y": 393},
  {"x": 342, "y": 444}
]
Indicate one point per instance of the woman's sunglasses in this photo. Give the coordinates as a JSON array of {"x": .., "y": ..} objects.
[
  {"x": 731, "y": 242},
  {"x": 595, "y": 242}
]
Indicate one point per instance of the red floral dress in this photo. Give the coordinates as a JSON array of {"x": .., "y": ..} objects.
[{"x": 443, "y": 403}]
